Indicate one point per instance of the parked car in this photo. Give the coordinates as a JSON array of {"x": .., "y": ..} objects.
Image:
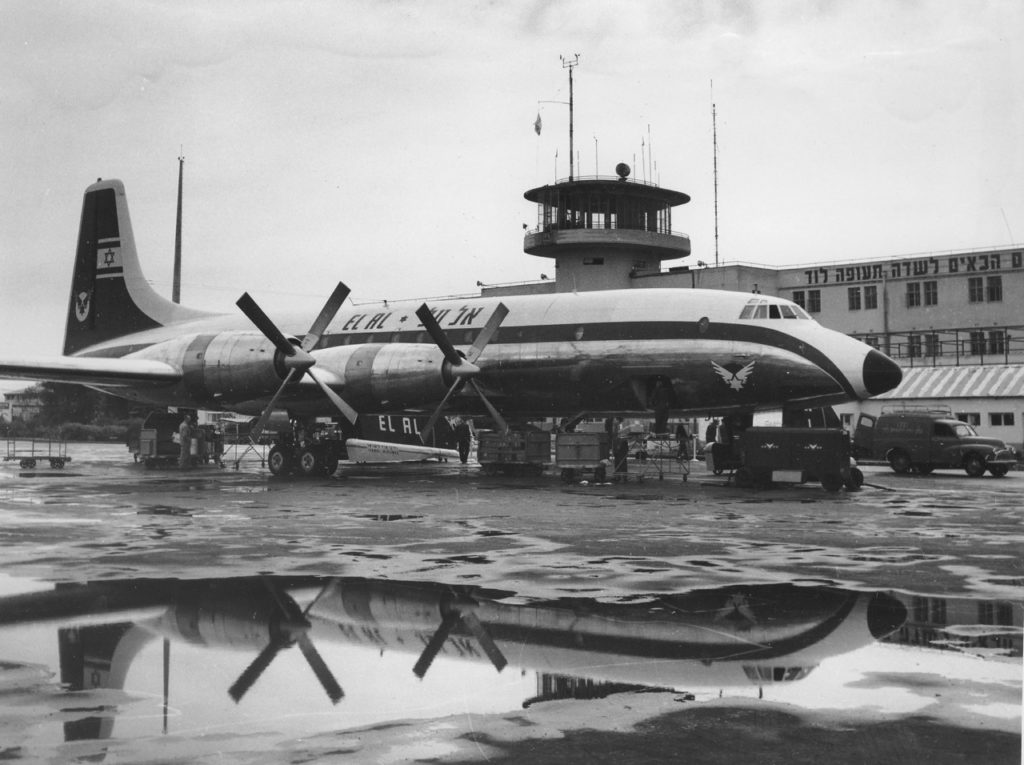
[{"x": 929, "y": 439}]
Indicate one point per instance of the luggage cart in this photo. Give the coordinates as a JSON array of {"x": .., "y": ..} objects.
[
  {"x": 518, "y": 452},
  {"x": 28, "y": 451},
  {"x": 579, "y": 454}
]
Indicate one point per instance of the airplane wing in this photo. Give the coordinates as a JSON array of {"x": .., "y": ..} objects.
[{"x": 90, "y": 371}]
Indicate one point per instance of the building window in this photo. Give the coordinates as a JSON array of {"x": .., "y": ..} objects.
[
  {"x": 853, "y": 298},
  {"x": 913, "y": 294},
  {"x": 932, "y": 346},
  {"x": 994, "y": 291},
  {"x": 914, "y": 346},
  {"x": 931, "y": 293},
  {"x": 995, "y": 612},
  {"x": 814, "y": 301},
  {"x": 997, "y": 341},
  {"x": 870, "y": 297},
  {"x": 975, "y": 289},
  {"x": 971, "y": 418},
  {"x": 593, "y": 261},
  {"x": 1001, "y": 419},
  {"x": 800, "y": 299},
  {"x": 977, "y": 343},
  {"x": 872, "y": 341}
]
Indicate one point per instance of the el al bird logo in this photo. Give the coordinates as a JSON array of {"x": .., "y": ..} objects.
[{"x": 734, "y": 380}]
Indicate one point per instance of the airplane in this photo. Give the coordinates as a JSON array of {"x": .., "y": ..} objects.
[
  {"x": 735, "y": 636},
  {"x": 521, "y": 357}
]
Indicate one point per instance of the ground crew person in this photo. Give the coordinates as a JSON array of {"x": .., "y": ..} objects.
[
  {"x": 185, "y": 439},
  {"x": 463, "y": 437}
]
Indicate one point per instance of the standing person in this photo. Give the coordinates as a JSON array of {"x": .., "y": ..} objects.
[
  {"x": 463, "y": 437},
  {"x": 185, "y": 441},
  {"x": 620, "y": 450},
  {"x": 711, "y": 434},
  {"x": 683, "y": 442}
]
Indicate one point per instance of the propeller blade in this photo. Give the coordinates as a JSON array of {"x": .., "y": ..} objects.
[
  {"x": 436, "y": 414},
  {"x": 350, "y": 414},
  {"x": 261, "y": 423},
  {"x": 327, "y": 314},
  {"x": 483, "y": 637},
  {"x": 252, "y": 673},
  {"x": 435, "y": 644},
  {"x": 498, "y": 419},
  {"x": 487, "y": 333},
  {"x": 265, "y": 325},
  {"x": 438, "y": 336},
  {"x": 320, "y": 669}
]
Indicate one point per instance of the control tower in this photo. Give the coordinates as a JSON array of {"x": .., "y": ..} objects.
[{"x": 603, "y": 232}]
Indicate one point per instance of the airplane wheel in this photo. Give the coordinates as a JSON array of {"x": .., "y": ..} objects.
[
  {"x": 309, "y": 462},
  {"x": 279, "y": 461}
]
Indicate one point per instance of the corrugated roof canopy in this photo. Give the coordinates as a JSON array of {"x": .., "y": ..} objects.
[{"x": 995, "y": 381}]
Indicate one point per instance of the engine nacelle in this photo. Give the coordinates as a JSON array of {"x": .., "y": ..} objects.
[
  {"x": 233, "y": 367},
  {"x": 393, "y": 376},
  {"x": 223, "y": 368}
]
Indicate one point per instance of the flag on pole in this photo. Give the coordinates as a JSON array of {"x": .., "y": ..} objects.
[{"x": 536, "y": 124}]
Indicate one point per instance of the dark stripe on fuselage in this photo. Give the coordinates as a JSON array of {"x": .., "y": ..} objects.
[
  {"x": 615, "y": 332},
  {"x": 594, "y": 332}
]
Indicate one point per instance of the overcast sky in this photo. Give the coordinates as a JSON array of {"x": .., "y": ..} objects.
[{"x": 388, "y": 143}]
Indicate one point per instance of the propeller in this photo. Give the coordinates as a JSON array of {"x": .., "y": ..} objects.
[
  {"x": 462, "y": 368},
  {"x": 456, "y": 611},
  {"x": 291, "y": 628},
  {"x": 297, "y": 359}
]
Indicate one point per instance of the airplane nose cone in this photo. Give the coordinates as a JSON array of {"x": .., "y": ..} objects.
[
  {"x": 885, "y": 615},
  {"x": 881, "y": 373}
]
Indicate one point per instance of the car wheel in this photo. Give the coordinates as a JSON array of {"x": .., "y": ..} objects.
[
  {"x": 999, "y": 470},
  {"x": 854, "y": 479},
  {"x": 925, "y": 469},
  {"x": 974, "y": 466},
  {"x": 899, "y": 461},
  {"x": 831, "y": 482}
]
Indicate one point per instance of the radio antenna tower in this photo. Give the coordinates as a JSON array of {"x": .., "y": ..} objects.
[
  {"x": 176, "y": 281},
  {"x": 714, "y": 140},
  {"x": 570, "y": 65}
]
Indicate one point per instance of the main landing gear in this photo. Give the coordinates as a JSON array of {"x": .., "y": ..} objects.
[{"x": 306, "y": 452}]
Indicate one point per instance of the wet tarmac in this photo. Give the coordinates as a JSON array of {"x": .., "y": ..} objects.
[{"x": 431, "y": 613}]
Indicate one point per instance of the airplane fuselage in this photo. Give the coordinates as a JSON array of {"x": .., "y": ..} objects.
[{"x": 555, "y": 354}]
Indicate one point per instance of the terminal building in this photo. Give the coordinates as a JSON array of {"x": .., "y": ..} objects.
[{"x": 953, "y": 320}]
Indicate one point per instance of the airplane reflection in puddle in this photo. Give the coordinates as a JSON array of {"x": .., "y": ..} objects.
[{"x": 751, "y": 635}]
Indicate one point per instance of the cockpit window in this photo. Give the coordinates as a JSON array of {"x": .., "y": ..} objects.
[{"x": 760, "y": 308}]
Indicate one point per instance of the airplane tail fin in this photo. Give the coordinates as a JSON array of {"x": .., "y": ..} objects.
[{"x": 109, "y": 295}]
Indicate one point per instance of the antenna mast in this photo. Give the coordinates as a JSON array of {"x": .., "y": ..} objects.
[
  {"x": 570, "y": 65},
  {"x": 714, "y": 139},
  {"x": 176, "y": 281}
]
